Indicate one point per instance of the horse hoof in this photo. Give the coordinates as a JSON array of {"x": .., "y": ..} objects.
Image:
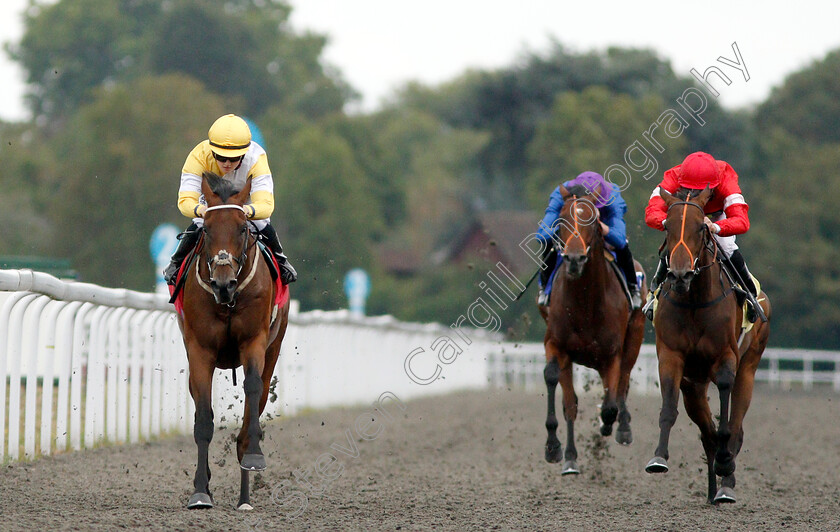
[
  {"x": 245, "y": 507},
  {"x": 657, "y": 464},
  {"x": 725, "y": 495},
  {"x": 200, "y": 501},
  {"x": 253, "y": 462},
  {"x": 570, "y": 468},
  {"x": 624, "y": 437},
  {"x": 606, "y": 430},
  {"x": 552, "y": 453}
]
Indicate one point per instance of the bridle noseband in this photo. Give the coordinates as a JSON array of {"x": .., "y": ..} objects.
[
  {"x": 225, "y": 258},
  {"x": 708, "y": 241},
  {"x": 576, "y": 232},
  {"x": 696, "y": 268}
]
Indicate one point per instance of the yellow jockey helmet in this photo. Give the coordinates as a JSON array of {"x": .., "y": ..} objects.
[{"x": 229, "y": 136}]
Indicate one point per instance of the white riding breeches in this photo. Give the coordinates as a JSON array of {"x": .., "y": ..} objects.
[{"x": 727, "y": 243}]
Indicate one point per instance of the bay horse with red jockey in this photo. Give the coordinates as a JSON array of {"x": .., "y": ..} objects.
[
  {"x": 229, "y": 320},
  {"x": 700, "y": 339},
  {"x": 589, "y": 322}
]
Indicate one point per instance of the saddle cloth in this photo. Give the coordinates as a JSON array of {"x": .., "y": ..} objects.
[
  {"x": 609, "y": 256},
  {"x": 746, "y": 326}
]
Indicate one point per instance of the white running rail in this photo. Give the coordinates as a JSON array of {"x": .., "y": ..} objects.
[
  {"x": 81, "y": 365},
  {"x": 522, "y": 365}
]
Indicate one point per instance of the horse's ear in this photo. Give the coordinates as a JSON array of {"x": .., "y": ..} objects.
[
  {"x": 564, "y": 193},
  {"x": 704, "y": 196},
  {"x": 207, "y": 184},
  {"x": 667, "y": 196},
  {"x": 243, "y": 195}
]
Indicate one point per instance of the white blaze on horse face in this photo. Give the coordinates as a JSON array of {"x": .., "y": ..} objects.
[{"x": 223, "y": 258}]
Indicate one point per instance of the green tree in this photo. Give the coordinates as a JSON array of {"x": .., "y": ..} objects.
[
  {"x": 591, "y": 130},
  {"x": 241, "y": 49},
  {"x": 26, "y": 231},
  {"x": 793, "y": 244},
  {"x": 119, "y": 174},
  {"x": 807, "y": 104},
  {"x": 324, "y": 211}
]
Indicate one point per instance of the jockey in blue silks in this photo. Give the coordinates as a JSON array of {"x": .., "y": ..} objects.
[{"x": 611, "y": 207}]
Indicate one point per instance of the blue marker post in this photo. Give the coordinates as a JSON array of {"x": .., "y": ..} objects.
[
  {"x": 162, "y": 245},
  {"x": 357, "y": 289}
]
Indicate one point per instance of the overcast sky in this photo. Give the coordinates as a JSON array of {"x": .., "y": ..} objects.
[{"x": 380, "y": 44}]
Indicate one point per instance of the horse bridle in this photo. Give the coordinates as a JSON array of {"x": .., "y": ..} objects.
[
  {"x": 576, "y": 233},
  {"x": 708, "y": 242},
  {"x": 224, "y": 258}
]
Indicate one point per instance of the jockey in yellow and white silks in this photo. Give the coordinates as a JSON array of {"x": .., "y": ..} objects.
[{"x": 230, "y": 153}]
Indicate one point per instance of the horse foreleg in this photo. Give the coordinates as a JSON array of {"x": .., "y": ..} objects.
[
  {"x": 551, "y": 374},
  {"x": 248, "y": 441},
  {"x": 201, "y": 380},
  {"x": 670, "y": 374},
  {"x": 570, "y": 411},
  {"x": 697, "y": 408}
]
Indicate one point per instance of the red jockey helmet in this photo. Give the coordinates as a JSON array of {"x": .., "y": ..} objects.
[{"x": 699, "y": 170}]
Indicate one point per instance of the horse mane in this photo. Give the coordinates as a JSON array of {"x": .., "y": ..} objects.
[
  {"x": 683, "y": 193},
  {"x": 578, "y": 191},
  {"x": 220, "y": 186}
]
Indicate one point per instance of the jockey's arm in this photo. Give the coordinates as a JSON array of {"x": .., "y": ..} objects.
[
  {"x": 547, "y": 227},
  {"x": 613, "y": 216},
  {"x": 262, "y": 203},
  {"x": 262, "y": 197},
  {"x": 736, "y": 222},
  {"x": 735, "y": 207},
  {"x": 188, "y": 195}
]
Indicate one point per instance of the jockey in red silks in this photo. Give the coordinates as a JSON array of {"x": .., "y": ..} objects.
[
  {"x": 726, "y": 213},
  {"x": 611, "y": 208}
]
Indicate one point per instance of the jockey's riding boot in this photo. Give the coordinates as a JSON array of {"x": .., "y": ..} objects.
[
  {"x": 187, "y": 241},
  {"x": 658, "y": 278},
  {"x": 287, "y": 273},
  {"x": 738, "y": 264},
  {"x": 625, "y": 261}
]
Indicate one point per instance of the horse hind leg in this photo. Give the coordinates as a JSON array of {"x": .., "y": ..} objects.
[
  {"x": 724, "y": 457},
  {"x": 697, "y": 409},
  {"x": 630, "y": 353},
  {"x": 609, "y": 408},
  {"x": 623, "y": 434}
]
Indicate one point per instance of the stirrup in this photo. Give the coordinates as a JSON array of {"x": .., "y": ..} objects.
[
  {"x": 542, "y": 298},
  {"x": 635, "y": 298},
  {"x": 648, "y": 308}
]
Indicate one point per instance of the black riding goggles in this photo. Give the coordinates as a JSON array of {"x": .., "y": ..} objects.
[{"x": 222, "y": 159}]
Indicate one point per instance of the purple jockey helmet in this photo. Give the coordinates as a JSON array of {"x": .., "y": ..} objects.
[{"x": 594, "y": 183}]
